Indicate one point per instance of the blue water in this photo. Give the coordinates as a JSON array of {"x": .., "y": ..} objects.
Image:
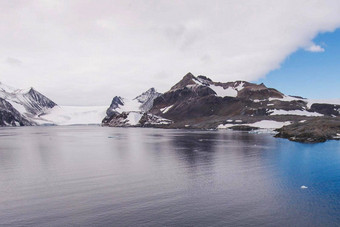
[{"x": 94, "y": 176}]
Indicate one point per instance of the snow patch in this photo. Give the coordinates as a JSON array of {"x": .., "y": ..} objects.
[
  {"x": 295, "y": 112},
  {"x": 264, "y": 124},
  {"x": 220, "y": 91},
  {"x": 240, "y": 86},
  {"x": 133, "y": 118},
  {"x": 166, "y": 109},
  {"x": 258, "y": 100},
  {"x": 337, "y": 136},
  {"x": 287, "y": 98}
]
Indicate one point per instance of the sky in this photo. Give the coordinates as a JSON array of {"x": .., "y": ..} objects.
[
  {"x": 314, "y": 75},
  {"x": 85, "y": 52}
]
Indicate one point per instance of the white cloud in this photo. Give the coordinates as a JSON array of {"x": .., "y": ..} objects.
[
  {"x": 13, "y": 61},
  {"x": 85, "y": 52},
  {"x": 314, "y": 48}
]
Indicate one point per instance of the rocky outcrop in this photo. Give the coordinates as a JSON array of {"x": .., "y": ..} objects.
[
  {"x": 315, "y": 130},
  {"x": 135, "y": 119},
  {"x": 326, "y": 109}
]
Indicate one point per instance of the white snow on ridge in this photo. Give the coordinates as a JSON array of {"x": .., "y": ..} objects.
[
  {"x": 264, "y": 124},
  {"x": 220, "y": 91},
  {"x": 295, "y": 112},
  {"x": 72, "y": 115}
]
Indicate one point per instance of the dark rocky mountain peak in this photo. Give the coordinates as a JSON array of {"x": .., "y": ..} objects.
[
  {"x": 186, "y": 80},
  {"x": 116, "y": 102}
]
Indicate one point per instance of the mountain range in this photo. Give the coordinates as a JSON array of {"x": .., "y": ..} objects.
[{"x": 192, "y": 103}]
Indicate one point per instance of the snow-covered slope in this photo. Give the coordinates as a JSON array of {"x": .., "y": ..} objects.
[
  {"x": 134, "y": 112},
  {"x": 146, "y": 99},
  {"x": 28, "y": 102},
  {"x": 73, "y": 115},
  {"x": 25, "y": 104}
]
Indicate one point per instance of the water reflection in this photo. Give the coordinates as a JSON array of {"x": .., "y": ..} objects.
[{"x": 93, "y": 176}]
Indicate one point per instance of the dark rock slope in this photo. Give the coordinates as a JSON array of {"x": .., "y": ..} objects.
[{"x": 200, "y": 102}]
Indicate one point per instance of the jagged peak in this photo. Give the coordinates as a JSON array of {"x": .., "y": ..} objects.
[
  {"x": 189, "y": 75},
  {"x": 30, "y": 90}
]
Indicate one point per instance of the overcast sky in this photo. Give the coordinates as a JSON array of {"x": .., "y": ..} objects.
[{"x": 80, "y": 52}]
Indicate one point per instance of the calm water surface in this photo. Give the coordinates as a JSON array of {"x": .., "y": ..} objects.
[{"x": 94, "y": 176}]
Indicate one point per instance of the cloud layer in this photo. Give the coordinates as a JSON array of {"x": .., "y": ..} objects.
[{"x": 83, "y": 52}]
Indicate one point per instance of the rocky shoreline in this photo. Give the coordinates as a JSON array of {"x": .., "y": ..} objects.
[{"x": 315, "y": 130}]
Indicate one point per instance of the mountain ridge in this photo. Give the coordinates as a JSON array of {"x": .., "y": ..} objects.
[{"x": 200, "y": 103}]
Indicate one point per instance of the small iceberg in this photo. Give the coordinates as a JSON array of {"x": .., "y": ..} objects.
[{"x": 304, "y": 187}]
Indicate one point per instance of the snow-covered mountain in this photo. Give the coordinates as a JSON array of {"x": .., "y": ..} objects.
[
  {"x": 134, "y": 112},
  {"x": 26, "y": 107},
  {"x": 142, "y": 103},
  {"x": 28, "y": 102}
]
